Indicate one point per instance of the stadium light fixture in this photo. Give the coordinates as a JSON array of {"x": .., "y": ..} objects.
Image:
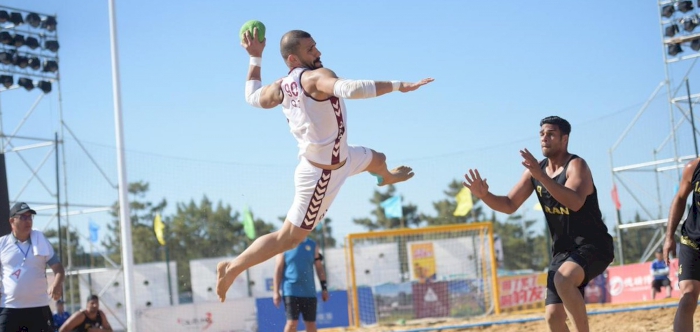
[
  {"x": 674, "y": 49},
  {"x": 26, "y": 83},
  {"x": 685, "y": 6},
  {"x": 51, "y": 45},
  {"x": 33, "y": 19},
  {"x": 671, "y": 30},
  {"x": 6, "y": 81},
  {"x": 49, "y": 23},
  {"x": 689, "y": 23},
  {"x": 50, "y": 66},
  {"x": 6, "y": 58},
  {"x": 667, "y": 11},
  {"x": 21, "y": 61},
  {"x": 31, "y": 42},
  {"x": 16, "y": 18},
  {"x": 34, "y": 63},
  {"x": 18, "y": 41},
  {"x": 44, "y": 86},
  {"x": 5, "y": 38}
]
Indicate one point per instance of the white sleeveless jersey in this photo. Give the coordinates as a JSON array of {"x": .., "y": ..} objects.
[{"x": 318, "y": 126}]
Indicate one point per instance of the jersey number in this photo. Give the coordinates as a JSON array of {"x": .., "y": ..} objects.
[{"x": 292, "y": 90}]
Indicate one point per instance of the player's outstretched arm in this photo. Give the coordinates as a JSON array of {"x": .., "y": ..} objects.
[
  {"x": 505, "y": 204},
  {"x": 578, "y": 185},
  {"x": 678, "y": 208},
  {"x": 256, "y": 95},
  {"x": 324, "y": 81}
]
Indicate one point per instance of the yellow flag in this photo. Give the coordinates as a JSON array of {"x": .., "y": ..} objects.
[
  {"x": 464, "y": 202},
  {"x": 159, "y": 229}
]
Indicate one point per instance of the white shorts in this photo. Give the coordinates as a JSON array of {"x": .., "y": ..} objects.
[{"x": 315, "y": 188}]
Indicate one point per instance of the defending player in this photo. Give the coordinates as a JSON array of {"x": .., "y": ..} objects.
[
  {"x": 689, "y": 250},
  {"x": 581, "y": 246}
]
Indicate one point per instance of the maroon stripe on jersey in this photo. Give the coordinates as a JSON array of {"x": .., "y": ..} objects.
[
  {"x": 335, "y": 102},
  {"x": 312, "y": 212}
]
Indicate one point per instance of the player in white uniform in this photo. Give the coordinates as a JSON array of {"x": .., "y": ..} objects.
[{"x": 312, "y": 100}]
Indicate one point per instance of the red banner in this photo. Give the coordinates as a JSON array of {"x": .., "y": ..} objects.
[
  {"x": 632, "y": 282},
  {"x": 522, "y": 290},
  {"x": 431, "y": 299}
]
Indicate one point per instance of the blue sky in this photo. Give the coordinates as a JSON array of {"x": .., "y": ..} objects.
[{"x": 499, "y": 67}]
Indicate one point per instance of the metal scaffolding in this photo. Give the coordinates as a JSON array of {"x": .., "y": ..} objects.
[{"x": 680, "y": 45}]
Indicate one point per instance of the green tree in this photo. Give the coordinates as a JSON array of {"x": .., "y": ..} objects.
[
  {"x": 145, "y": 247},
  {"x": 411, "y": 217},
  {"x": 205, "y": 231},
  {"x": 446, "y": 207},
  {"x": 323, "y": 234},
  {"x": 523, "y": 247}
]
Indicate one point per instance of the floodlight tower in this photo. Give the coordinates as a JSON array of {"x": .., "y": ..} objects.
[
  {"x": 29, "y": 61},
  {"x": 680, "y": 36}
]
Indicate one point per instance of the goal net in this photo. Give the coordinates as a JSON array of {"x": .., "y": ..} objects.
[{"x": 431, "y": 272}]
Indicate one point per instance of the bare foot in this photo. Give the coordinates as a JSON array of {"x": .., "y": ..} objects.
[
  {"x": 398, "y": 174},
  {"x": 224, "y": 280}
]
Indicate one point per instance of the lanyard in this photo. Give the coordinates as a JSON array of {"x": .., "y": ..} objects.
[{"x": 25, "y": 253}]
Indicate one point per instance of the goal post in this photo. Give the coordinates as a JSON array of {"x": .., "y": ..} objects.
[{"x": 413, "y": 273}]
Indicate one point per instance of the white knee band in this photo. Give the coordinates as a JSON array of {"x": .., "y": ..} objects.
[
  {"x": 354, "y": 89},
  {"x": 252, "y": 92}
]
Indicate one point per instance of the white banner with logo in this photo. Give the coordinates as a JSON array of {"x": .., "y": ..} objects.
[{"x": 231, "y": 316}]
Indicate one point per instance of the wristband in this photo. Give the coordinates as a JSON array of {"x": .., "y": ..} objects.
[
  {"x": 396, "y": 85},
  {"x": 324, "y": 285},
  {"x": 255, "y": 61}
]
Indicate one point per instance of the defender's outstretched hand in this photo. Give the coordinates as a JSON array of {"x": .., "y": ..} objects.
[
  {"x": 478, "y": 187},
  {"x": 252, "y": 44},
  {"x": 408, "y": 87}
]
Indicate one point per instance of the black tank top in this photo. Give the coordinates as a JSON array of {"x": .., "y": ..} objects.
[
  {"x": 89, "y": 323},
  {"x": 691, "y": 227},
  {"x": 571, "y": 229}
]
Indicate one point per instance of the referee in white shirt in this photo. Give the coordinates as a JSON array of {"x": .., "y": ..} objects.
[{"x": 25, "y": 293}]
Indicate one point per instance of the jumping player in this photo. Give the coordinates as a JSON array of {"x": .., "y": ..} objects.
[
  {"x": 581, "y": 246},
  {"x": 689, "y": 250},
  {"x": 312, "y": 100}
]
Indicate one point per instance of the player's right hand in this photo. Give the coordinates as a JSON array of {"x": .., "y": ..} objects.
[
  {"x": 252, "y": 44},
  {"x": 669, "y": 247},
  {"x": 407, "y": 87},
  {"x": 276, "y": 299},
  {"x": 476, "y": 185}
]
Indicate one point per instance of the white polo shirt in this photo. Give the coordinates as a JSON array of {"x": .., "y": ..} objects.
[{"x": 23, "y": 275}]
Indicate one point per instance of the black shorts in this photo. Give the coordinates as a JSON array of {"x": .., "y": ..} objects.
[
  {"x": 593, "y": 260},
  {"x": 38, "y": 319},
  {"x": 293, "y": 306},
  {"x": 656, "y": 284},
  {"x": 688, "y": 263}
]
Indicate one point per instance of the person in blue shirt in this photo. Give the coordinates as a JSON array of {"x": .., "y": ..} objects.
[
  {"x": 294, "y": 271},
  {"x": 61, "y": 315},
  {"x": 659, "y": 270}
]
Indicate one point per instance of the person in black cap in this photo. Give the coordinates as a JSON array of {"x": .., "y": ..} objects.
[
  {"x": 659, "y": 270},
  {"x": 24, "y": 255}
]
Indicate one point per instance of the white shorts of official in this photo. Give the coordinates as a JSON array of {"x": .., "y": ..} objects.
[{"x": 315, "y": 188}]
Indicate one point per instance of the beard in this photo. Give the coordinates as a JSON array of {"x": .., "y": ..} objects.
[{"x": 315, "y": 64}]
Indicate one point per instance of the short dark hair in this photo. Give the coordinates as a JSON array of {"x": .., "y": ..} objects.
[
  {"x": 564, "y": 126},
  {"x": 92, "y": 297},
  {"x": 290, "y": 42}
]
